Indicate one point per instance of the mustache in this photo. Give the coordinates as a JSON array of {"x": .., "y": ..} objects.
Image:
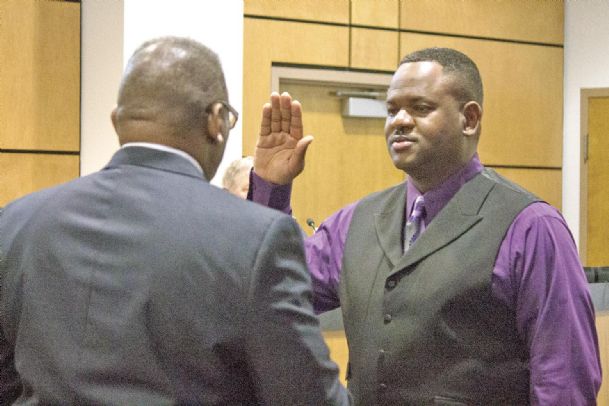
[{"x": 400, "y": 135}]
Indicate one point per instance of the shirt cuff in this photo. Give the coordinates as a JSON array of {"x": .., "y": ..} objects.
[{"x": 269, "y": 194}]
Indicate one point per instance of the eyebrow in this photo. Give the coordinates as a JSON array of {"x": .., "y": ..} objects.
[{"x": 409, "y": 99}]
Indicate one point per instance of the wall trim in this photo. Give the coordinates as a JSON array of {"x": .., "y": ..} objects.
[{"x": 329, "y": 75}]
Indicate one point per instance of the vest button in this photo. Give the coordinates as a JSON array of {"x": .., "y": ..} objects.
[
  {"x": 382, "y": 386},
  {"x": 387, "y": 318},
  {"x": 391, "y": 283}
]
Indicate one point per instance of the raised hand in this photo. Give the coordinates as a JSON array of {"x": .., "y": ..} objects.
[{"x": 281, "y": 147}]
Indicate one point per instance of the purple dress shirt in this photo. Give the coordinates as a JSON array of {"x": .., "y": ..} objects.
[{"x": 537, "y": 274}]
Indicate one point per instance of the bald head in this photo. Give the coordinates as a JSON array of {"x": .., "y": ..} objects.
[
  {"x": 236, "y": 178},
  {"x": 168, "y": 96},
  {"x": 170, "y": 81}
]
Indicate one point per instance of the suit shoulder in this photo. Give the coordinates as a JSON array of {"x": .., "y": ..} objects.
[
  {"x": 34, "y": 199},
  {"x": 245, "y": 210},
  {"x": 42, "y": 202}
]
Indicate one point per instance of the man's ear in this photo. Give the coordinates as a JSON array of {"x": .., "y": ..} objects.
[
  {"x": 114, "y": 118},
  {"x": 472, "y": 116},
  {"x": 215, "y": 125}
]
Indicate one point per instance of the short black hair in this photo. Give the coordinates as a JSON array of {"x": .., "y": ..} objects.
[{"x": 455, "y": 63}]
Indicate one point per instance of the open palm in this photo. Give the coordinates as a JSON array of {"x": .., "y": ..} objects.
[{"x": 281, "y": 147}]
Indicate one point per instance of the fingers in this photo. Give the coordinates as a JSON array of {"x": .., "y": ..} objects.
[
  {"x": 296, "y": 120},
  {"x": 275, "y": 113},
  {"x": 282, "y": 115},
  {"x": 286, "y": 111},
  {"x": 265, "y": 126}
]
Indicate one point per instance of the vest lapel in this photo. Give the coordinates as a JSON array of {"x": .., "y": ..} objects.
[
  {"x": 458, "y": 216},
  {"x": 389, "y": 224}
]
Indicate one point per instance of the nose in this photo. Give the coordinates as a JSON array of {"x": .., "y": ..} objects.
[
  {"x": 401, "y": 122},
  {"x": 402, "y": 117}
]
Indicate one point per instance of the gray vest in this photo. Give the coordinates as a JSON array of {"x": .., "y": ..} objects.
[{"x": 424, "y": 328}]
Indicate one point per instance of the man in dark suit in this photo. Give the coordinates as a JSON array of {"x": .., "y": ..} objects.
[{"x": 142, "y": 283}]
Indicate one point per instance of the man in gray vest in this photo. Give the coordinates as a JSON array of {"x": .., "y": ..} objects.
[{"x": 457, "y": 286}]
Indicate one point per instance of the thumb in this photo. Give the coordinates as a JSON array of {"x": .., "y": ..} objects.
[
  {"x": 301, "y": 147},
  {"x": 299, "y": 152}
]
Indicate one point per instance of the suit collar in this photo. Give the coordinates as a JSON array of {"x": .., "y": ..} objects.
[
  {"x": 389, "y": 224},
  {"x": 166, "y": 148},
  {"x": 154, "y": 158}
]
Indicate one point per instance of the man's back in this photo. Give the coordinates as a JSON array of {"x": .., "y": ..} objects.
[{"x": 143, "y": 284}]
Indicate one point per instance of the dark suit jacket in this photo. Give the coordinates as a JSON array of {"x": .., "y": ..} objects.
[{"x": 143, "y": 284}]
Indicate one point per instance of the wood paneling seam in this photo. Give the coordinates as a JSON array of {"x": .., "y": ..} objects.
[
  {"x": 329, "y": 67},
  {"x": 349, "y": 55},
  {"x": 38, "y": 151},
  {"x": 404, "y": 30},
  {"x": 493, "y": 39}
]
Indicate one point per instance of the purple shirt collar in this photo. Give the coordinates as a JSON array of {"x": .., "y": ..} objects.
[{"x": 437, "y": 198}]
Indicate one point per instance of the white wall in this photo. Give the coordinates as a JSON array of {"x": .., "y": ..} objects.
[
  {"x": 112, "y": 30},
  {"x": 101, "y": 68},
  {"x": 586, "y": 66}
]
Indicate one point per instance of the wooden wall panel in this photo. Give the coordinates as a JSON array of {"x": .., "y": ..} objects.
[
  {"x": 375, "y": 13},
  {"x": 26, "y": 173},
  {"x": 336, "y": 11},
  {"x": 277, "y": 41},
  {"x": 545, "y": 183},
  {"x": 374, "y": 49},
  {"x": 40, "y": 75},
  {"x": 536, "y": 21},
  {"x": 522, "y": 122}
]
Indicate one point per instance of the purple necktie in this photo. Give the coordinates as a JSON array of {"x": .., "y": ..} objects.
[{"x": 414, "y": 223}]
